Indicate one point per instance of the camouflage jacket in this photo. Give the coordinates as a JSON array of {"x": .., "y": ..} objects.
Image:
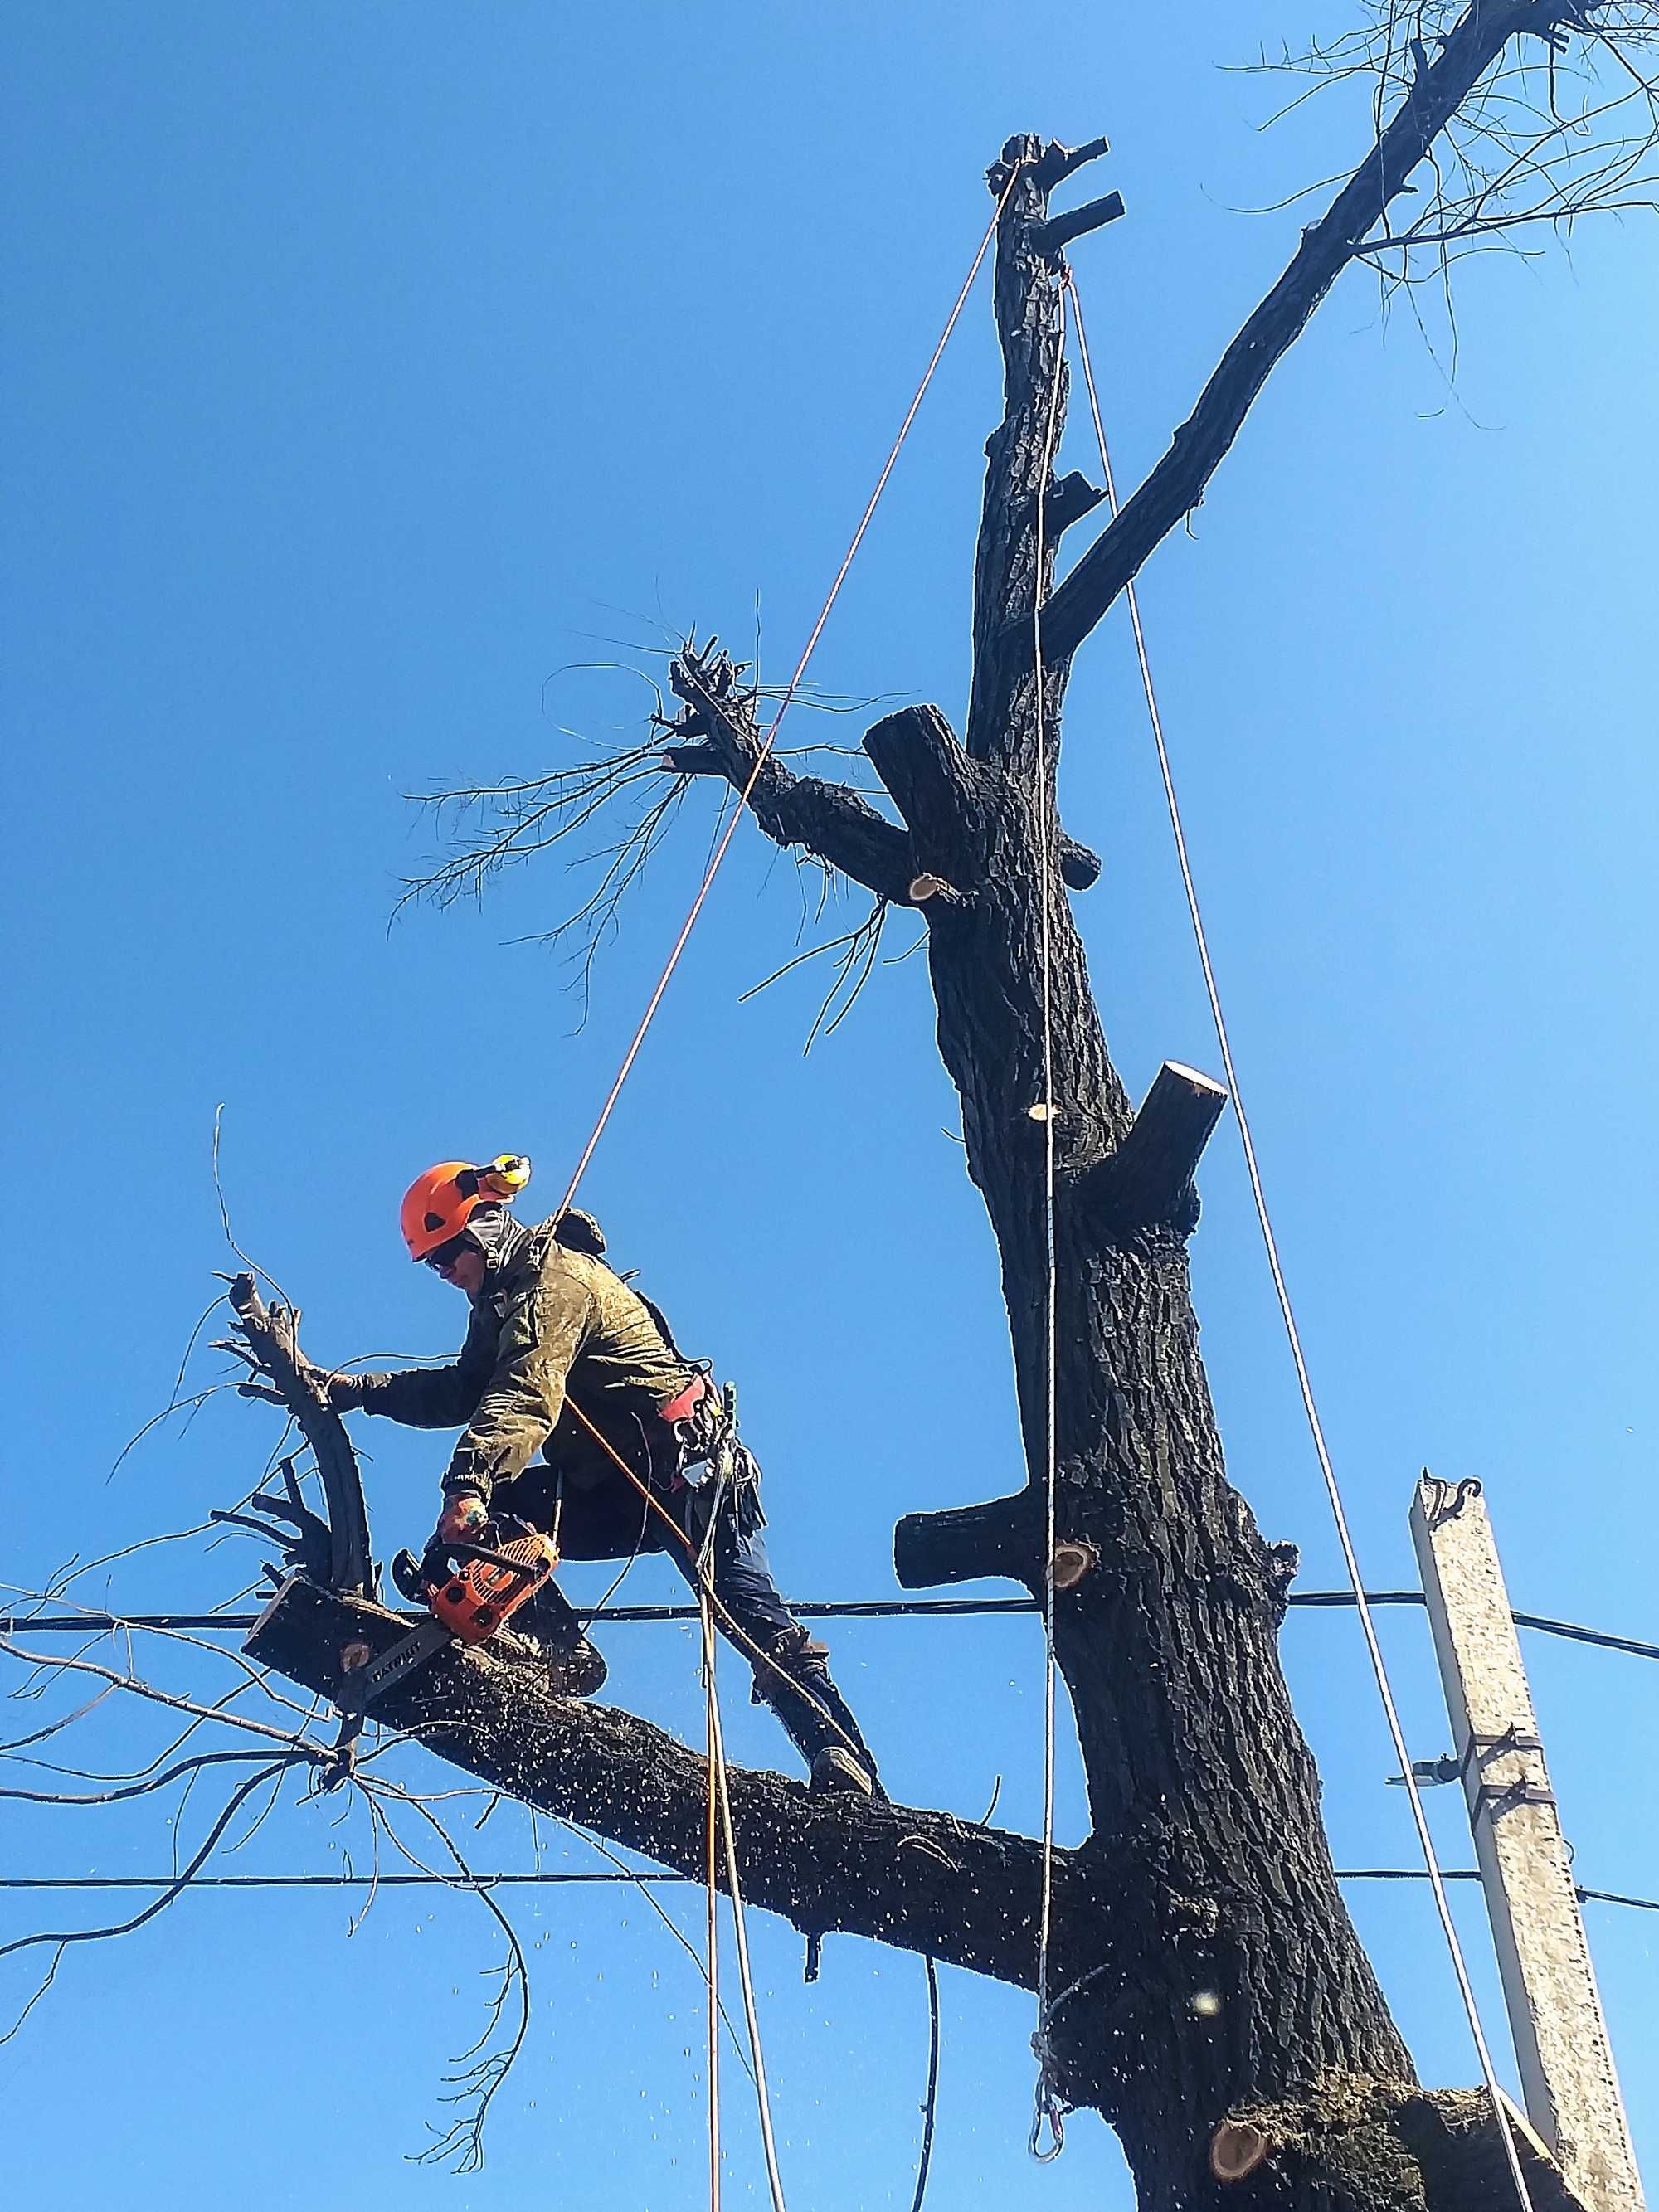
[{"x": 553, "y": 1330}]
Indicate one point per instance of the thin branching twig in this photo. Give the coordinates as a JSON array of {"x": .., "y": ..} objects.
[{"x": 1564, "y": 125}]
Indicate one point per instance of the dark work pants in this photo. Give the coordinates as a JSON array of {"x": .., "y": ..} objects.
[{"x": 612, "y": 1521}]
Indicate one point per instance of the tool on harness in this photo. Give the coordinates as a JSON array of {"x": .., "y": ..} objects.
[
  {"x": 705, "y": 1424},
  {"x": 471, "y": 1589}
]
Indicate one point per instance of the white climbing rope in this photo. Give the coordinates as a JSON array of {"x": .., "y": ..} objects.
[
  {"x": 1049, "y": 2111},
  {"x": 1333, "y": 1489},
  {"x": 739, "y": 1924}
]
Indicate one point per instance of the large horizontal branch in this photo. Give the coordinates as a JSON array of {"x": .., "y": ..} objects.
[
  {"x": 1176, "y": 484},
  {"x": 824, "y": 818},
  {"x": 925, "y": 1881}
]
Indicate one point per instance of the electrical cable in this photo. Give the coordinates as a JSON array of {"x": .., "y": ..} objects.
[
  {"x": 1333, "y": 1489},
  {"x": 554, "y": 1878},
  {"x": 880, "y": 1608}
]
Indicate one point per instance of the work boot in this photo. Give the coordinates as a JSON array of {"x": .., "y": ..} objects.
[
  {"x": 573, "y": 1670},
  {"x": 816, "y": 1718},
  {"x": 553, "y": 1631},
  {"x": 837, "y": 1771}
]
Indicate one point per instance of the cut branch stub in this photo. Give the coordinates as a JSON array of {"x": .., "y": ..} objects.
[
  {"x": 1060, "y": 230},
  {"x": 1055, "y": 163},
  {"x": 1148, "y": 1180},
  {"x": 271, "y": 1333},
  {"x": 967, "y": 1541},
  {"x": 1079, "y": 868},
  {"x": 1069, "y": 499}
]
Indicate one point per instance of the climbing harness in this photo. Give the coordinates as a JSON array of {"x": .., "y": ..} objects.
[{"x": 1264, "y": 1220}]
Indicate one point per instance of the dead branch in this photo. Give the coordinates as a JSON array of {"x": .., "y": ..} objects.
[
  {"x": 1495, "y": 164},
  {"x": 61, "y": 1939},
  {"x": 273, "y": 1340},
  {"x": 717, "y": 732}
]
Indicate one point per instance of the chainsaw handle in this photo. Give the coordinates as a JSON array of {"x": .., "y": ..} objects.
[{"x": 462, "y": 1549}]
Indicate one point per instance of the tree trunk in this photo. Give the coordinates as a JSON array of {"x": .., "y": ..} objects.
[{"x": 1243, "y": 1982}]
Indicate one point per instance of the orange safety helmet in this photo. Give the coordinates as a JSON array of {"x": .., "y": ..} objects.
[{"x": 439, "y": 1204}]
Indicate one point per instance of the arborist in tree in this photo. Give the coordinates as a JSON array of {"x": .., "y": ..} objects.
[{"x": 563, "y": 1358}]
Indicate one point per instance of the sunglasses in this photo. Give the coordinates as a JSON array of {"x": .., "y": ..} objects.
[{"x": 446, "y": 1255}]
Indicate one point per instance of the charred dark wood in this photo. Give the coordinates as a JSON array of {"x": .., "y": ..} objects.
[
  {"x": 1055, "y": 163},
  {"x": 1176, "y": 484},
  {"x": 923, "y": 1881},
  {"x": 1148, "y": 1180},
  {"x": 937, "y": 789},
  {"x": 1013, "y": 573},
  {"x": 1199, "y": 1779},
  {"x": 1079, "y": 868}
]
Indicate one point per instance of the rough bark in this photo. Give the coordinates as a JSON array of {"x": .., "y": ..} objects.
[{"x": 925, "y": 1881}]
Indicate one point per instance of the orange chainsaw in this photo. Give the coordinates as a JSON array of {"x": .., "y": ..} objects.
[{"x": 470, "y": 1590}]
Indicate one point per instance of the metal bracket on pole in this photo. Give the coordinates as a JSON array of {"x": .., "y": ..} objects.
[{"x": 1561, "y": 2044}]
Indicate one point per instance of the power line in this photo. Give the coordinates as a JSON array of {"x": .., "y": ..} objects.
[
  {"x": 554, "y": 1879},
  {"x": 334, "y": 1880},
  {"x": 17, "y": 1624},
  {"x": 1472, "y": 1874}
]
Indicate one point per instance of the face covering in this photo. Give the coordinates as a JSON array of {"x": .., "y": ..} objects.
[{"x": 497, "y": 1235}]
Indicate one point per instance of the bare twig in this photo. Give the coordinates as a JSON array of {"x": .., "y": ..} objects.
[{"x": 62, "y": 1939}]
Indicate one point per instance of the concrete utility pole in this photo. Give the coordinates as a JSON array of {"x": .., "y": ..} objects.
[{"x": 1561, "y": 2042}]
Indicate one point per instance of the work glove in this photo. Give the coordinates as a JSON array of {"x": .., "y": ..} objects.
[
  {"x": 345, "y": 1392},
  {"x": 463, "y": 1519},
  {"x": 342, "y": 1393}
]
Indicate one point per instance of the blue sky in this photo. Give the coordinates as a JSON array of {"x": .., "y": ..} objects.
[{"x": 385, "y": 385}]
